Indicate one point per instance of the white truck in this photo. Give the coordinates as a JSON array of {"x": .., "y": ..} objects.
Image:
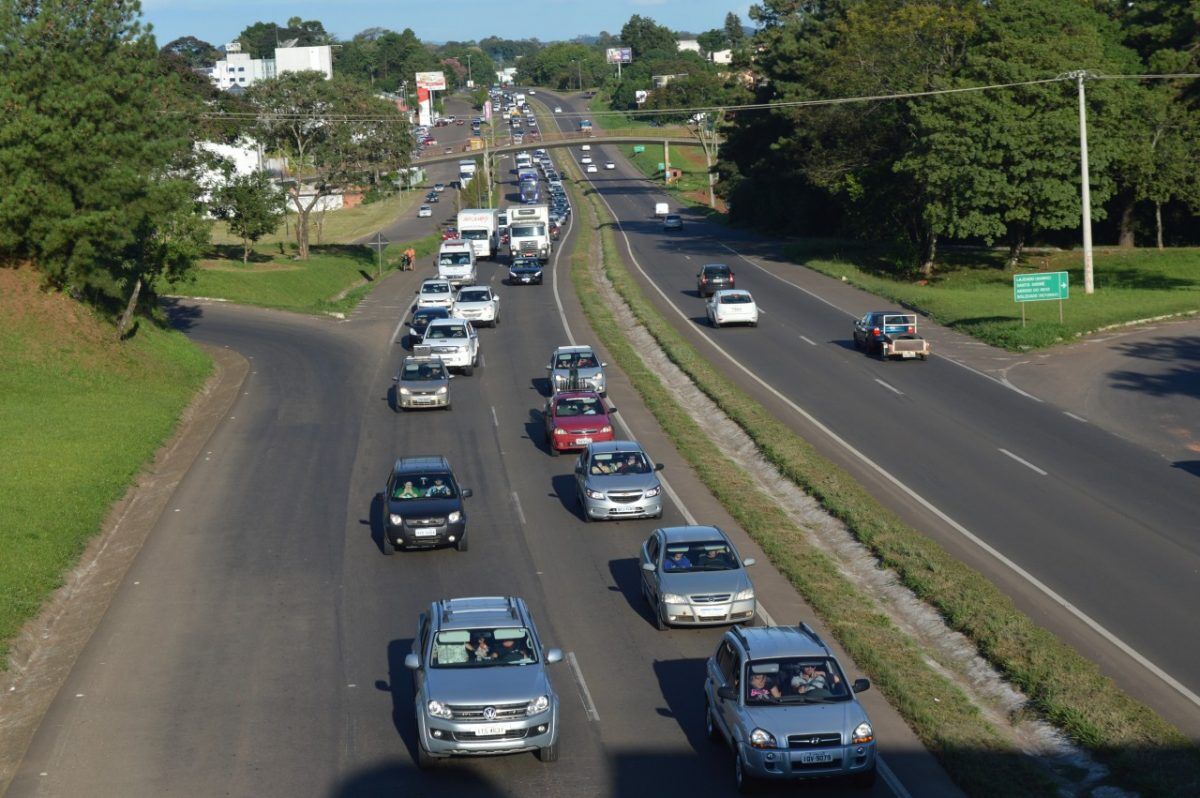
[
  {"x": 456, "y": 262},
  {"x": 466, "y": 169},
  {"x": 481, "y": 227},
  {"x": 529, "y": 231}
]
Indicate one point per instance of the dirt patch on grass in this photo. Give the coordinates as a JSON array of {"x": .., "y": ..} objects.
[{"x": 243, "y": 268}]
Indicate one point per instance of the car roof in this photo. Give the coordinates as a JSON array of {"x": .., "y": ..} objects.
[
  {"x": 766, "y": 642},
  {"x": 566, "y": 349},
  {"x": 450, "y": 321},
  {"x": 577, "y": 395},
  {"x": 615, "y": 446},
  {"x": 419, "y": 463},
  {"x": 480, "y": 611},
  {"x": 732, "y": 292},
  {"x": 691, "y": 534}
]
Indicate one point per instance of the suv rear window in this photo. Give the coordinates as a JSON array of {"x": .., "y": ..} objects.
[{"x": 483, "y": 648}]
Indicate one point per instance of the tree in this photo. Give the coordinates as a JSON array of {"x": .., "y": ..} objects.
[
  {"x": 713, "y": 41},
  {"x": 192, "y": 51},
  {"x": 643, "y": 35},
  {"x": 261, "y": 38},
  {"x": 96, "y": 153},
  {"x": 335, "y": 134},
  {"x": 563, "y": 66},
  {"x": 252, "y": 205},
  {"x": 735, "y": 34}
]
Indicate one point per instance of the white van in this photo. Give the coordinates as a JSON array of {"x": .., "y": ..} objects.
[{"x": 456, "y": 262}]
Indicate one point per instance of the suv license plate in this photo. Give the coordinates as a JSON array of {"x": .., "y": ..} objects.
[
  {"x": 489, "y": 731},
  {"x": 815, "y": 758},
  {"x": 425, "y": 533}
]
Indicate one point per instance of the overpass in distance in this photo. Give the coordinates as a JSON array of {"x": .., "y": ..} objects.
[{"x": 679, "y": 136}]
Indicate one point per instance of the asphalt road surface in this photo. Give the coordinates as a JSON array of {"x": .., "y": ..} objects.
[
  {"x": 1094, "y": 536},
  {"x": 256, "y": 646}
]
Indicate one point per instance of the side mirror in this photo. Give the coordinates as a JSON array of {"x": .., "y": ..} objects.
[
  {"x": 724, "y": 691},
  {"x": 411, "y": 662},
  {"x": 466, "y": 493},
  {"x": 648, "y": 567},
  {"x": 861, "y": 685},
  {"x": 395, "y": 379},
  {"x": 554, "y": 655},
  {"x": 659, "y": 466},
  {"x": 612, "y": 410},
  {"x": 549, "y": 368},
  {"x": 603, "y": 365},
  {"x": 746, "y": 563}
]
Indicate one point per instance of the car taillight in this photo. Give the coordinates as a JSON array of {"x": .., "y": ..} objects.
[
  {"x": 912, "y": 330},
  {"x": 875, "y": 331}
]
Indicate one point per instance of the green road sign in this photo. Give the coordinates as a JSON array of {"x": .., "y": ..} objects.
[
  {"x": 639, "y": 148},
  {"x": 1039, "y": 287},
  {"x": 662, "y": 167}
]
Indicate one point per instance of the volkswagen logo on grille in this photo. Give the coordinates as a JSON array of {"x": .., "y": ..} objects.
[{"x": 489, "y": 713}]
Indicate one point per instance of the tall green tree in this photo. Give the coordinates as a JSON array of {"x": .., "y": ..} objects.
[
  {"x": 194, "y": 52},
  {"x": 644, "y": 36},
  {"x": 335, "y": 134},
  {"x": 96, "y": 152},
  {"x": 252, "y": 205},
  {"x": 735, "y": 34},
  {"x": 261, "y": 38}
]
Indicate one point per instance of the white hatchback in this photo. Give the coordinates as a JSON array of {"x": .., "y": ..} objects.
[
  {"x": 435, "y": 294},
  {"x": 731, "y": 306}
]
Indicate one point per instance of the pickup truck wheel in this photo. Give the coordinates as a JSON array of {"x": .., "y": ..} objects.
[
  {"x": 549, "y": 753},
  {"x": 496, "y": 321},
  {"x": 468, "y": 370},
  {"x": 425, "y": 760}
]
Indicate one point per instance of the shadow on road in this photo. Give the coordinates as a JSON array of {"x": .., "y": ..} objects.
[{"x": 1181, "y": 379}]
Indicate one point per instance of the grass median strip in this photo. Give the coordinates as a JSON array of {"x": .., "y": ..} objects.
[{"x": 1143, "y": 752}]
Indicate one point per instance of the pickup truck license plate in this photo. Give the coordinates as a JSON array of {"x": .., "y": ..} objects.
[
  {"x": 425, "y": 533},
  {"x": 489, "y": 731},
  {"x": 908, "y": 354},
  {"x": 815, "y": 758},
  {"x": 583, "y": 441}
]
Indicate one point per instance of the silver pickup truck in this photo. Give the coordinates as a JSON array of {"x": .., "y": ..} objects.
[{"x": 890, "y": 335}]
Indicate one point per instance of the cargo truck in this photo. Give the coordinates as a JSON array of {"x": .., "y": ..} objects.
[
  {"x": 480, "y": 226},
  {"x": 529, "y": 232}
]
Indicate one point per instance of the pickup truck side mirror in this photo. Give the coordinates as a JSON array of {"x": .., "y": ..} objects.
[
  {"x": 603, "y": 365},
  {"x": 724, "y": 691},
  {"x": 861, "y": 685},
  {"x": 411, "y": 662},
  {"x": 554, "y": 655},
  {"x": 466, "y": 493}
]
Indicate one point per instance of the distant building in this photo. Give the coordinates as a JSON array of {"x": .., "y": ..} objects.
[
  {"x": 721, "y": 57},
  {"x": 688, "y": 44},
  {"x": 238, "y": 69}
]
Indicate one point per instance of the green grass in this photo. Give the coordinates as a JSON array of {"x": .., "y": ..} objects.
[
  {"x": 1144, "y": 752},
  {"x": 971, "y": 291},
  {"x": 81, "y": 414},
  {"x": 336, "y": 227},
  {"x": 333, "y": 280}
]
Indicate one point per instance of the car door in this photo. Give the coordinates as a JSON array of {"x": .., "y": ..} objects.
[
  {"x": 581, "y": 468},
  {"x": 722, "y": 674},
  {"x": 730, "y": 709},
  {"x": 650, "y": 552}
]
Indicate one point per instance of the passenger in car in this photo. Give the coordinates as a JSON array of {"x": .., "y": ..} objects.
[
  {"x": 808, "y": 679},
  {"x": 677, "y": 561},
  {"x": 761, "y": 688}
]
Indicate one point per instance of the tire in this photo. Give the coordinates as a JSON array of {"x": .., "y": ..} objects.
[
  {"x": 425, "y": 760},
  {"x": 386, "y": 547},
  {"x": 660, "y": 623},
  {"x": 864, "y": 780},
  {"x": 550, "y": 445},
  {"x": 468, "y": 370},
  {"x": 496, "y": 321},
  {"x": 463, "y": 543},
  {"x": 710, "y": 727},
  {"x": 741, "y": 779},
  {"x": 549, "y": 753},
  {"x": 587, "y": 519}
]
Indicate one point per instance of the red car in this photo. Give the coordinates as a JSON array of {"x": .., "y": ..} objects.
[
  {"x": 460, "y": 121},
  {"x": 449, "y": 233},
  {"x": 576, "y": 418}
]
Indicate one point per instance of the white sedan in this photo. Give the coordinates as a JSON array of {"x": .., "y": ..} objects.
[
  {"x": 424, "y": 211},
  {"x": 592, "y": 168},
  {"x": 557, "y": 109},
  {"x": 731, "y": 306},
  {"x": 609, "y": 165},
  {"x": 585, "y": 159}
]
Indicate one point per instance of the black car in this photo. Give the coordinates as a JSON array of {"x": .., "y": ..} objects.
[
  {"x": 432, "y": 196},
  {"x": 423, "y": 506},
  {"x": 420, "y": 320},
  {"x": 713, "y": 277},
  {"x": 525, "y": 271}
]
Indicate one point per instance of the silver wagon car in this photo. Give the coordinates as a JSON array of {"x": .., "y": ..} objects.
[
  {"x": 693, "y": 576},
  {"x": 615, "y": 480},
  {"x": 576, "y": 368}
]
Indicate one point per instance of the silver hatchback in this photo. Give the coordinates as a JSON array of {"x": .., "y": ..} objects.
[
  {"x": 693, "y": 576},
  {"x": 576, "y": 368},
  {"x": 615, "y": 480}
]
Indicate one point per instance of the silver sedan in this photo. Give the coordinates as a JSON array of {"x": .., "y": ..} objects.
[
  {"x": 693, "y": 576},
  {"x": 615, "y": 480}
]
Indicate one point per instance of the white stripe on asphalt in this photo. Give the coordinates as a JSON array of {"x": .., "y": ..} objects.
[
  {"x": 585, "y": 695},
  {"x": 1039, "y": 585},
  {"x": 495, "y": 421},
  {"x": 1069, "y": 414},
  {"x": 808, "y": 340},
  {"x": 1023, "y": 462},
  {"x": 517, "y": 504},
  {"x": 896, "y": 391}
]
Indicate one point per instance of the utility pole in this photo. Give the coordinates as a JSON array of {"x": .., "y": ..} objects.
[
  {"x": 1089, "y": 285},
  {"x": 579, "y": 73},
  {"x": 470, "y": 80}
]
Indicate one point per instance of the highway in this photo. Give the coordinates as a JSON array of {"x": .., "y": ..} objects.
[
  {"x": 256, "y": 646},
  {"x": 1092, "y": 535}
]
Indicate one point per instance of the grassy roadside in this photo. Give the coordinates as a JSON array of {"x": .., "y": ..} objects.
[
  {"x": 335, "y": 227},
  {"x": 972, "y": 292},
  {"x": 691, "y": 188},
  {"x": 333, "y": 280},
  {"x": 1143, "y": 752},
  {"x": 81, "y": 414}
]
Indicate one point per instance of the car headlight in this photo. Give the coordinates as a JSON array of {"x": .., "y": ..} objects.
[
  {"x": 396, "y": 520},
  {"x": 673, "y": 598},
  {"x": 761, "y": 738},
  {"x": 863, "y": 733},
  {"x": 538, "y": 705},
  {"x": 454, "y": 517},
  {"x": 606, "y": 429},
  {"x": 559, "y": 431},
  {"x": 652, "y": 492},
  {"x": 594, "y": 494},
  {"x": 744, "y": 595},
  {"x": 441, "y": 390},
  {"x": 405, "y": 392},
  {"x": 438, "y": 709}
]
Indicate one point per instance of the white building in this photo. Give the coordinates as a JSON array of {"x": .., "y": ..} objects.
[
  {"x": 688, "y": 44},
  {"x": 239, "y": 69},
  {"x": 721, "y": 57}
]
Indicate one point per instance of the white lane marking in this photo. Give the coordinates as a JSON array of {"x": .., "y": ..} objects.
[
  {"x": 517, "y": 504},
  {"x": 1039, "y": 585},
  {"x": 1023, "y": 462},
  {"x": 761, "y": 612},
  {"x": 1069, "y": 414},
  {"x": 896, "y": 391},
  {"x": 891, "y": 780},
  {"x": 808, "y": 340},
  {"x": 495, "y": 420},
  {"x": 589, "y": 706},
  {"x": 396, "y": 332}
]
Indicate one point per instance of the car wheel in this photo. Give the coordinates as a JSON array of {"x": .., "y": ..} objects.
[
  {"x": 386, "y": 547},
  {"x": 462, "y": 544},
  {"x": 741, "y": 779},
  {"x": 549, "y": 753},
  {"x": 550, "y": 445},
  {"x": 587, "y": 519},
  {"x": 710, "y": 726},
  {"x": 864, "y": 780},
  {"x": 425, "y": 760},
  {"x": 660, "y": 622},
  {"x": 496, "y": 321},
  {"x": 754, "y": 323},
  {"x": 468, "y": 370},
  {"x": 715, "y": 323},
  {"x": 446, "y": 406}
]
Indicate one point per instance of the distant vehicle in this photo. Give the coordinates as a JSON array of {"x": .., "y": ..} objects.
[
  {"x": 480, "y": 227},
  {"x": 529, "y": 233},
  {"x": 432, "y": 196},
  {"x": 456, "y": 262},
  {"x": 585, "y": 127},
  {"x": 693, "y": 576},
  {"x": 712, "y": 278},
  {"x": 449, "y": 233},
  {"x": 424, "y": 211},
  {"x": 615, "y": 480},
  {"x": 591, "y": 168},
  {"x": 439, "y": 187},
  {"x": 586, "y": 147},
  {"x": 423, "y": 505},
  {"x": 586, "y": 159},
  {"x": 422, "y": 382},
  {"x": 576, "y": 368},
  {"x": 609, "y": 165},
  {"x": 558, "y": 109},
  {"x": 780, "y": 699},
  {"x": 661, "y": 209},
  {"x": 889, "y": 335},
  {"x": 573, "y": 419},
  {"x": 731, "y": 306},
  {"x": 672, "y": 221},
  {"x": 460, "y": 121},
  {"x": 478, "y": 304}
]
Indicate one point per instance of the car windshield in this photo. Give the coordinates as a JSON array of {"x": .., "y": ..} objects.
[
  {"x": 473, "y": 296},
  {"x": 735, "y": 299},
  {"x": 435, "y": 288},
  {"x": 527, "y": 230},
  {"x": 417, "y": 372},
  {"x": 474, "y": 235},
  {"x": 711, "y": 555},
  {"x": 442, "y": 331},
  {"x": 525, "y": 264},
  {"x": 795, "y": 680},
  {"x": 575, "y": 360},
  {"x": 422, "y": 317},
  {"x": 454, "y": 259},
  {"x": 424, "y": 486},
  {"x": 579, "y": 406},
  {"x": 483, "y": 648},
  {"x": 620, "y": 463}
]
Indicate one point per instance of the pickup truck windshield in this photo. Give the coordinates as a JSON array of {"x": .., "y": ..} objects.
[{"x": 483, "y": 648}]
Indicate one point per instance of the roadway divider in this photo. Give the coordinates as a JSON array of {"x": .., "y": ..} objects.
[{"x": 1141, "y": 750}]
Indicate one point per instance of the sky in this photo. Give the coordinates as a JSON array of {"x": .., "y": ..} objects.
[{"x": 218, "y": 21}]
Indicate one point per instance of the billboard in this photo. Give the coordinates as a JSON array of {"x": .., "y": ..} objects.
[
  {"x": 618, "y": 55},
  {"x": 424, "y": 107},
  {"x": 640, "y": 96},
  {"x": 435, "y": 81}
]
